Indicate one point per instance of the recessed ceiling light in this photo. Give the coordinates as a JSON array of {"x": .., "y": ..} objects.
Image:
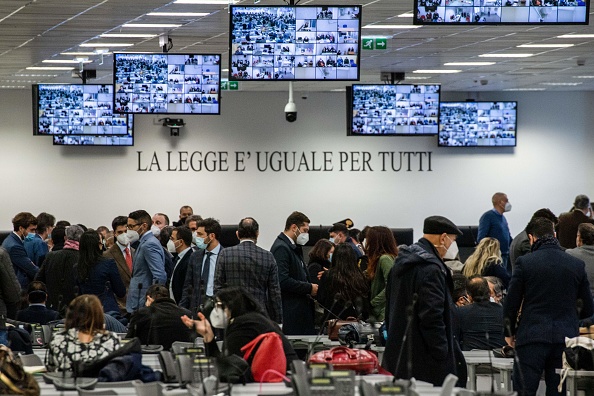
[
  {"x": 524, "y": 89},
  {"x": 561, "y": 84},
  {"x": 105, "y": 45},
  {"x": 391, "y": 26},
  {"x": 545, "y": 45},
  {"x": 215, "y": 2},
  {"x": 83, "y": 53},
  {"x": 151, "y": 25},
  {"x": 437, "y": 71},
  {"x": 65, "y": 61},
  {"x": 180, "y": 14},
  {"x": 469, "y": 63},
  {"x": 129, "y": 35},
  {"x": 576, "y": 36},
  {"x": 583, "y": 76},
  {"x": 49, "y": 68},
  {"x": 406, "y": 15},
  {"x": 500, "y": 55}
]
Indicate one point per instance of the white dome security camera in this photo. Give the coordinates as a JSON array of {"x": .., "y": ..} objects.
[{"x": 291, "y": 112}]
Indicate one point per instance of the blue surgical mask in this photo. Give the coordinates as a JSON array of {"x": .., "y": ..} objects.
[
  {"x": 331, "y": 240},
  {"x": 330, "y": 258},
  {"x": 199, "y": 242},
  {"x": 30, "y": 236}
]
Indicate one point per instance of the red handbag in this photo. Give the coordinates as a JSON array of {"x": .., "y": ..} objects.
[{"x": 344, "y": 358}]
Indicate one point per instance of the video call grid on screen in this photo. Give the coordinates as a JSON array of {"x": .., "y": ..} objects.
[
  {"x": 167, "y": 83},
  {"x": 477, "y": 124},
  {"x": 295, "y": 43},
  {"x": 86, "y": 140},
  {"x": 402, "y": 109},
  {"x": 76, "y": 109},
  {"x": 495, "y": 12}
]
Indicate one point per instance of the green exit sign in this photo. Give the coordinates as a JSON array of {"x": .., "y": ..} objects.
[
  {"x": 233, "y": 85},
  {"x": 224, "y": 85},
  {"x": 374, "y": 43}
]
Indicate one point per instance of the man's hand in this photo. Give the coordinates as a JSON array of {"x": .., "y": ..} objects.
[
  {"x": 511, "y": 341},
  {"x": 314, "y": 289}
]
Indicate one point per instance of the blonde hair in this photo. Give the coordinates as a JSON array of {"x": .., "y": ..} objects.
[{"x": 487, "y": 252}]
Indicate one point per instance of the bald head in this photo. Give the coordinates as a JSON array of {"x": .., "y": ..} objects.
[{"x": 497, "y": 197}]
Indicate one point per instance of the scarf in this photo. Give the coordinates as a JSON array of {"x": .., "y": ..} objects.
[
  {"x": 549, "y": 240},
  {"x": 70, "y": 244}
]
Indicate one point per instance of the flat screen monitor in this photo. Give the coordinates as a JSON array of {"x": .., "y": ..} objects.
[
  {"x": 167, "y": 83},
  {"x": 295, "y": 43},
  {"x": 484, "y": 124},
  {"x": 387, "y": 109},
  {"x": 98, "y": 140},
  {"x": 496, "y": 12},
  {"x": 76, "y": 109}
]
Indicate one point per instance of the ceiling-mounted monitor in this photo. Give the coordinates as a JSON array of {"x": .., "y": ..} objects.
[
  {"x": 483, "y": 124},
  {"x": 167, "y": 83},
  {"x": 98, "y": 140},
  {"x": 388, "y": 109},
  {"x": 76, "y": 109},
  {"x": 292, "y": 43},
  {"x": 496, "y": 12}
]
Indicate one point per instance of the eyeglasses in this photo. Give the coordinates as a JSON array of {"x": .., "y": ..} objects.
[{"x": 132, "y": 226}]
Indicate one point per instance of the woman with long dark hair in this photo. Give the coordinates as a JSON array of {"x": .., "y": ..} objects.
[
  {"x": 381, "y": 250},
  {"x": 343, "y": 289},
  {"x": 319, "y": 259},
  {"x": 96, "y": 274},
  {"x": 84, "y": 337}
]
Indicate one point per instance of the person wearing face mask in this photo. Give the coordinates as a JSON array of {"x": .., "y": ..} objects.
[
  {"x": 242, "y": 317},
  {"x": 149, "y": 259},
  {"x": 419, "y": 300},
  {"x": 296, "y": 288},
  {"x": 160, "y": 220},
  {"x": 339, "y": 233},
  {"x": 199, "y": 283},
  {"x": 567, "y": 228},
  {"x": 181, "y": 239},
  {"x": 494, "y": 224},
  {"x": 121, "y": 252},
  {"x": 36, "y": 245},
  {"x": 24, "y": 225}
]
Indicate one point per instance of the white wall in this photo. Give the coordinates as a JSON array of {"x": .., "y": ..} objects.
[{"x": 91, "y": 185}]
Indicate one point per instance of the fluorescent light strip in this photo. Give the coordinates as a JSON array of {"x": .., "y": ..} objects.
[
  {"x": 583, "y": 76},
  {"x": 436, "y": 71},
  {"x": 128, "y": 35},
  {"x": 391, "y": 26},
  {"x": 406, "y": 15},
  {"x": 83, "y": 53},
  {"x": 179, "y": 14},
  {"x": 338, "y": 90},
  {"x": 213, "y": 2},
  {"x": 576, "y": 36},
  {"x": 545, "y": 45},
  {"x": 505, "y": 55},
  {"x": 12, "y": 87},
  {"x": 49, "y": 68},
  {"x": 151, "y": 25},
  {"x": 65, "y": 61},
  {"x": 416, "y": 78},
  {"x": 105, "y": 45},
  {"x": 525, "y": 89},
  {"x": 561, "y": 84},
  {"x": 469, "y": 63}
]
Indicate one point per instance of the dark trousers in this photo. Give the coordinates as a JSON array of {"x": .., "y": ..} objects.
[{"x": 534, "y": 359}]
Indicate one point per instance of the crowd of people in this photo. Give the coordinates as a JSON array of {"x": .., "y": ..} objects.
[{"x": 165, "y": 283}]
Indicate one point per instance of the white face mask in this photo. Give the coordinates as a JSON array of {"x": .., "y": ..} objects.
[
  {"x": 218, "y": 318},
  {"x": 155, "y": 230},
  {"x": 123, "y": 239},
  {"x": 132, "y": 235},
  {"x": 507, "y": 207},
  {"x": 302, "y": 238},
  {"x": 171, "y": 246},
  {"x": 452, "y": 251},
  {"x": 332, "y": 240}
]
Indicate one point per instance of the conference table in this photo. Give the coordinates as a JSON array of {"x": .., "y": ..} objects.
[{"x": 476, "y": 358}]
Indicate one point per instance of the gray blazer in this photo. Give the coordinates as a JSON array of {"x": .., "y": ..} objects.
[{"x": 586, "y": 254}]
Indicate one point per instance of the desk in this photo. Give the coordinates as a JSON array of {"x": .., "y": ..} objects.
[
  {"x": 474, "y": 358},
  {"x": 505, "y": 369},
  {"x": 572, "y": 377}
]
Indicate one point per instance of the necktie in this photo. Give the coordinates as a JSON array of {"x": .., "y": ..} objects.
[
  {"x": 206, "y": 270},
  {"x": 128, "y": 258}
]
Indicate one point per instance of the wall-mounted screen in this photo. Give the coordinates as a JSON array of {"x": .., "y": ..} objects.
[
  {"x": 167, "y": 83},
  {"x": 487, "y": 124},
  {"x": 402, "y": 109},
  {"x": 98, "y": 140},
  {"x": 76, "y": 109},
  {"x": 295, "y": 43},
  {"x": 495, "y": 12}
]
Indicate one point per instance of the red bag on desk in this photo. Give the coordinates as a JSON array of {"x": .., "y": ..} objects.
[
  {"x": 269, "y": 355},
  {"x": 343, "y": 358}
]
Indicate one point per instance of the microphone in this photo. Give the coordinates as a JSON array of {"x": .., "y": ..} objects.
[
  {"x": 507, "y": 323},
  {"x": 407, "y": 339},
  {"x": 490, "y": 360},
  {"x": 59, "y": 307},
  {"x": 139, "y": 296},
  {"x": 337, "y": 298},
  {"x": 579, "y": 306}
]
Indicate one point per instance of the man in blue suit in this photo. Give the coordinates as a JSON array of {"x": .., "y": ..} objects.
[
  {"x": 550, "y": 291},
  {"x": 23, "y": 224},
  {"x": 148, "y": 262}
]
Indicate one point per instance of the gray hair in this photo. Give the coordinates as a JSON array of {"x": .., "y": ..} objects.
[
  {"x": 74, "y": 232},
  {"x": 581, "y": 202}
]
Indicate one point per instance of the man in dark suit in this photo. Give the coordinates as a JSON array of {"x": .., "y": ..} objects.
[
  {"x": 551, "y": 289},
  {"x": 298, "y": 309},
  {"x": 149, "y": 259},
  {"x": 199, "y": 283},
  {"x": 251, "y": 267},
  {"x": 37, "y": 312},
  {"x": 159, "y": 322},
  {"x": 182, "y": 240},
  {"x": 520, "y": 244},
  {"x": 121, "y": 252},
  {"x": 23, "y": 223},
  {"x": 569, "y": 222},
  {"x": 10, "y": 294}
]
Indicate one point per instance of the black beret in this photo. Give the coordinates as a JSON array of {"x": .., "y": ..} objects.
[{"x": 437, "y": 225}]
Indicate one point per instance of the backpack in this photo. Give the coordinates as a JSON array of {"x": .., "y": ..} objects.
[
  {"x": 13, "y": 378},
  {"x": 578, "y": 355},
  {"x": 265, "y": 354}
]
